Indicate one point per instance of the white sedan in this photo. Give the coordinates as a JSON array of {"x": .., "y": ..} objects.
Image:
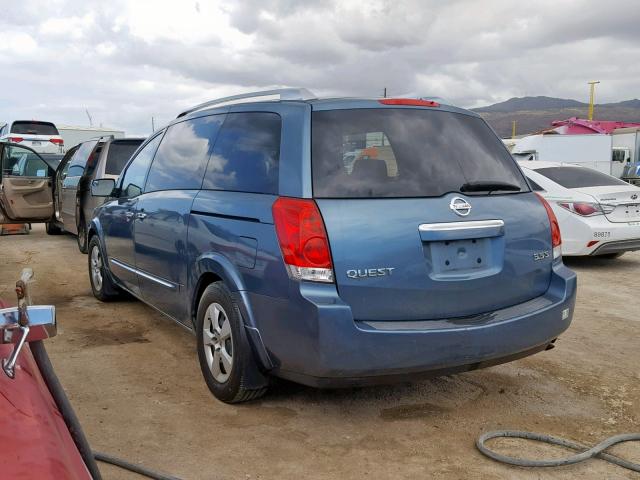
[{"x": 598, "y": 214}]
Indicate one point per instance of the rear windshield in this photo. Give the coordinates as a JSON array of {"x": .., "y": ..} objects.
[
  {"x": 119, "y": 153},
  {"x": 34, "y": 128},
  {"x": 405, "y": 153},
  {"x": 579, "y": 177}
]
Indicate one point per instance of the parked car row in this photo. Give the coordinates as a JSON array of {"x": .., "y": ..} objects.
[
  {"x": 55, "y": 189},
  {"x": 330, "y": 242}
]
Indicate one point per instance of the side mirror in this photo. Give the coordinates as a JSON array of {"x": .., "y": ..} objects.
[{"x": 103, "y": 187}]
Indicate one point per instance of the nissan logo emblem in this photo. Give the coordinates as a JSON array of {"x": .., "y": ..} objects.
[
  {"x": 634, "y": 196},
  {"x": 460, "y": 206}
]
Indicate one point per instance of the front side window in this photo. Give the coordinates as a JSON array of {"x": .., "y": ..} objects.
[
  {"x": 579, "y": 177},
  {"x": 393, "y": 152},
  {"x": 246, "y": 155},
  {"x": 21, "y": 162},
  {"x": 182, "y": 156},
  {"x": 136, "y": 173}
]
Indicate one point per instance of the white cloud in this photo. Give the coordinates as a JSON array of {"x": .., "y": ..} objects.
[{"x": 127, "y": 61}]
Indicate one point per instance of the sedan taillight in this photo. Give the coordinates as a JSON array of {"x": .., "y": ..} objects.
[
  {"x": 15, "y": 139},
  {"x": 587, "y": 209},
  {"x": 57, "y": 141}
]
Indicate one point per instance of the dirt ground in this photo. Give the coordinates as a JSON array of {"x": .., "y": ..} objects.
[{"x": 133, "y": 378}]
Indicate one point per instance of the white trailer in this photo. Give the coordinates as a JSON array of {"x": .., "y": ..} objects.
[
  {"x": 594, "y": 151},
  {"x": 626, "y": 149},
  {"x": 73, "y": 135}
]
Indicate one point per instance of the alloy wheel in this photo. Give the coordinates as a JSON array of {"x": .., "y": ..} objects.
[
  {"x": 96, "y": 268},
  {"x": 218, "y": 342}
]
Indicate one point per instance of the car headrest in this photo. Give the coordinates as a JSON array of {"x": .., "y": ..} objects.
[{"x": 370, "y": 169}]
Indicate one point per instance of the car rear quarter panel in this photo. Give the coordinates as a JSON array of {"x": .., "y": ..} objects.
[{"x": 34, "y": 439}]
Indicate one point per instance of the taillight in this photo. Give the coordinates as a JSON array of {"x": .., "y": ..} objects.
[
  {"x": 303, "y": 239},
  {"x": 57, "y": 141},
  {"x": 15, "y": 139},
  {"x": 584, "y": 209},
  {"x": 409, "y": 101},
  {"x": 556, "y": 238}
]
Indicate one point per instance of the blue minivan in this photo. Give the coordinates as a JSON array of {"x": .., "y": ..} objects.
[{"x": 333, "y": 242}]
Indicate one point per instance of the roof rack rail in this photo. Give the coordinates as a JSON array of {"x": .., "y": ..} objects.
[{"x": 282, "y": 93}]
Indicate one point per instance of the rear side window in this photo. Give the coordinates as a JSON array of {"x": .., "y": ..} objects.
[
  {"x": 119, "y": 153},
  {"x": 183, "y": 154},
  {"x": 579, "y": 177},
  {"x": 246, "y": 155},
  {"x": 404, "y": 153},
  {"x": 34, "y": 128},
  {"x": 535, "y": 186}
]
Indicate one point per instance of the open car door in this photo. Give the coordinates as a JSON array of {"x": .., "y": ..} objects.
[{"x": 26, "y": 185}]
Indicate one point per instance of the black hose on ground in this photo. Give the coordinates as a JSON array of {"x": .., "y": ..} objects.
[
  {"x": 105, "y": 457},
  {"x": 586, "y": 452},
  {"x": 71, "y": 420},
  {"x": 68, "y": 414}
]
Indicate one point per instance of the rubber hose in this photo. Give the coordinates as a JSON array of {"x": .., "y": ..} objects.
[
  {"x": 57, "y": 392},
  {"x": 105, "y": 457},
  {"x": 586, "y": 452},
  {"x": 73, "y": 424}
]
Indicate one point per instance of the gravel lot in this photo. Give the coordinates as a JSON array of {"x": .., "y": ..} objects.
[{"x": 134, "y": 380}]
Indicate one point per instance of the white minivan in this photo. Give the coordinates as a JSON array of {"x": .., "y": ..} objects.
[{"x": 42, "y": 137}]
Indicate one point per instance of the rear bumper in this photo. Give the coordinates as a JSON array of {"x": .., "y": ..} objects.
[
  {"x": 578, "y": 232},
  {"x": 617, "y": 247},
  {"x": 314, "y": 340}
]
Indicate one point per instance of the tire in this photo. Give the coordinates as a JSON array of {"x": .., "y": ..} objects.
[
  {"x": 82, "y": 237},
  {"x": 611, "y": 256},
  {"x": 52, "y": 228},
  {"x": 225, "y": 356},
  {"x": 101, "y": 285}
]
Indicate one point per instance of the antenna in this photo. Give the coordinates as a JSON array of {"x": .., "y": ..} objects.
[{"x": 90, "y": 119}]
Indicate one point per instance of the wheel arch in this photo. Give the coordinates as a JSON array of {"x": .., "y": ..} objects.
[{"x": 214, "y": 267}]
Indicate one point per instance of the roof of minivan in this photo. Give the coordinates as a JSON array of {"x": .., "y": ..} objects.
[{"x": 337, "y": 103}]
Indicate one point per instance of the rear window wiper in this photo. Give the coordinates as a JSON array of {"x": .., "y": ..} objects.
[{"x": 489, "y": 187}]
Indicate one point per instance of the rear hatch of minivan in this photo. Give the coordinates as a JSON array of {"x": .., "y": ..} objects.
[{"x": 432, "y": 220}]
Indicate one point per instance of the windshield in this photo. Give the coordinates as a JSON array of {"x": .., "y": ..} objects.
[
  {"x": 579, "y": 177},
  {"x": 34, "y": 128},
  {"x": 407, "y": 153}
]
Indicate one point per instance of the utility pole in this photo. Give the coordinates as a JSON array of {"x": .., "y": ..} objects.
[
  {"x": 385, "y": 92},
  {"x": 153, "y": 125},
  {"x": 513, "y": 129},
  {"x": 592, "y": 94}
]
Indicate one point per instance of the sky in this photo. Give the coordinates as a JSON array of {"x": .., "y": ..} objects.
[{"x": 125, "y": 62}]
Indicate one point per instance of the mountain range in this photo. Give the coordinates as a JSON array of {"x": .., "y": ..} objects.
[{"x": 533, "y": 114}]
